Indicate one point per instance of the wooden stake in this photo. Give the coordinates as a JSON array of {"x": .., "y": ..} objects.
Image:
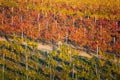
[
  {"x": 47, "y": 25},
  {"x": 50, "y": 73},
  {"x": 38, "y": 17},
  {"x": 73, "y": 23},
  {"x": 97, "y": 48},
  {"x": 3, "y": 68},
  {"x": 12, "y": 21},
  {"x": 70, "y": 57},
  {"x": 115, "y": 59},
  {"x": 26, "y": 58},
  {"x": 67, "y": 38},
  {"x": 2, "y": 17},
  {"x": 12, "y": 15},
  {"x": 2, "y": 20},
  {"x": 73, "y": 72},
  {"x": 101, "y": 30}
]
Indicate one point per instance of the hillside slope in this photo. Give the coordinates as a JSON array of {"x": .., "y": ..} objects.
[{"x": 23, "y": 62}]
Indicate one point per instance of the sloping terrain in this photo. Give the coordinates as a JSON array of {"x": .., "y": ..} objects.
[
  {"x": 48, "y": 47},
  {"x": 23, "y": 62},
  {"x": 59, "y": 39}
]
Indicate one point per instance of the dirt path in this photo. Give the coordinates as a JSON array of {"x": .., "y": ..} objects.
[
  {"x": 84, "y": 54},
  {"x": 45, "y": 47},
  {"x": 41, "y": 46},
  {"x": 2, "y": 39}
]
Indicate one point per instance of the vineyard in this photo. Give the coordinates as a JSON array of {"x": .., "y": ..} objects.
[{"x": 59, "y": 40}]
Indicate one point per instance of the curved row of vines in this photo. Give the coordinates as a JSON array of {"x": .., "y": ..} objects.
[
  {"x": 94, "y": 24},
  {"x": 24, "y": 62}
]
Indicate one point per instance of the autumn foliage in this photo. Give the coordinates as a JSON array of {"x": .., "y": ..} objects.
[{"x": 88, "y": 24}]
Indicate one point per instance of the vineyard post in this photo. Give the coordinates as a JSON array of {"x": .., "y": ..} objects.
[
  {"x": 115, "y": 59},
  {"x": 26, "y": 58},
  {"x": 73, "y": 23},
  {"x": 12, "y": 15},
  {"x": 38, "y": 17},
  {"x": 2, "y": 17},
  {"x": 101, "y": 30},
  {"x": 46, "y": 25},
  {"x": 95, "y": 63},
  {"x": 70, "y": 57},
  {"x": 97, "y": 48},
  {"x": 3, "y": 65},
  {"x": 22, "y": 34},
  {"x": 56, "y": 23},
  {"x": 73, "y": 72},
  {"x": 49, "y": 65},
  {"x": 84, "y": 32},
  {"x": 76, "y": 76},
  {"x": 97, "y": 72},
  {"x": 50, "y": 73},
  {"x": 114, "y": 41},
  {"x": 3, "y": 68},
  {"x": 66, "y": 37},
  {"x": 2, "y": 20}
]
